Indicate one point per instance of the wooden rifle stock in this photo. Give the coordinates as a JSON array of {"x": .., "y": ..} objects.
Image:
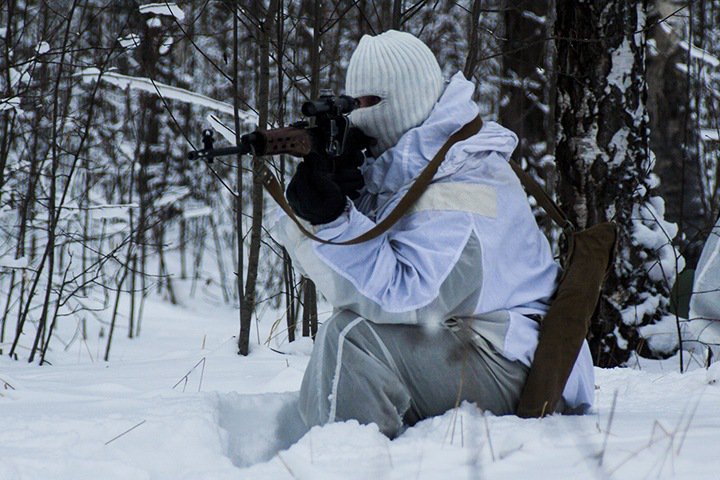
[{"x": 294, "y": 141}]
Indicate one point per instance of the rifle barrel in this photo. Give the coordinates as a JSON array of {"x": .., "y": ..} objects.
[{"x": 218, "y": 152}]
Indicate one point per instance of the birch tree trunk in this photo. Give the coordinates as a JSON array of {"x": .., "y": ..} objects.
[
  {"x": 604, "y": 160},
  {"x": 307, "y": 287},
  {"x": 239, "y": 190}
]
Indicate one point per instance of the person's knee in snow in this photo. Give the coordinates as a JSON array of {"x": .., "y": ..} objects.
[{"x": 350, "y": 377}]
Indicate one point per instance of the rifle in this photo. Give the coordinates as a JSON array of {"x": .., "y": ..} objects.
[{"x": 325, "y": 130}]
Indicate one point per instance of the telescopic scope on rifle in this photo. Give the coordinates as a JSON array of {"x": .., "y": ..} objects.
[{"x": 329, "y": 104}]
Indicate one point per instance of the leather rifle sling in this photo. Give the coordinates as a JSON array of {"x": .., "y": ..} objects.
[
  {"x": 550, "y": 207},
  {"x": 543, "y": 199},
  {"x": 273, "y": 187}
]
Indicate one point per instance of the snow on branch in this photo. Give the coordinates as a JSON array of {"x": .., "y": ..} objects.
[
  {"x": 226, "y": 132},
  {"x": 12, "y": 103},
  {"x": 100, "y": 212},
  {"x": 166, "y": 91},
  {"x": 164, "y": 8},
  {"x": 695, "y": 52},
  {"x": 11, "y": 263},
  {"x": 130, "y": 41},
  {"x": 710, "y": 134},
  {"x": 197, "y": 212},
  {"x": 700, "y": 54},
  {"x": 534, "y": 17}
]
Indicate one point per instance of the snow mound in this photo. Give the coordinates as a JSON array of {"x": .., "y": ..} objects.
[
  {"x": 179, "y": 403},
  {"x": 258, "y": 426}
]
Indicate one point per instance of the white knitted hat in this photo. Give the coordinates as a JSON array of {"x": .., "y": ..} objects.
[{"x": 403, "y": 72}]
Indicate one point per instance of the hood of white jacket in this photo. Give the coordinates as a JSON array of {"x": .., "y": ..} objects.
[{"x": 394, "y": 171}]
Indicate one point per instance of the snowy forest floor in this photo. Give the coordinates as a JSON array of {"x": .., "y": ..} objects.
[{"x": 178, "y": 403}]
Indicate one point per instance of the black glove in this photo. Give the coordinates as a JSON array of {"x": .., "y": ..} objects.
[
  {"x": 312, "y": 193},
  {"x": 347, "y": 175},
  {"x": 346, "y": 172}
]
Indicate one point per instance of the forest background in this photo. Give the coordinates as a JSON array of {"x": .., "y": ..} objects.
[{"x": 615, "y": 103}]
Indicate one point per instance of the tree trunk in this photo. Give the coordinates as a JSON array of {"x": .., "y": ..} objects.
[
  {"x": 603, "y": 157},
  {"x": 310, "y": 316},
  {"x": 308, "y": 289},
  {"x": 53, "y": 214},
  {"x": 239, "y": 191},
  {"x": 263, "y": 104},
  {"x": 397, "y": 14},
  {"x": 522, "y": 89},
  {"x": 183, "y": 248},
  {"x": 471, "y": 60},
  {"x": 671, "y": 136},
  {"x": 7, "y": 117},
  {"x": 290, "y": 296},
  {"x": 220, "y": 261}
]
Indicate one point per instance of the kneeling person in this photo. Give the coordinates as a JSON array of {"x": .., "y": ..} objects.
[{"x": 444, "y": 305}]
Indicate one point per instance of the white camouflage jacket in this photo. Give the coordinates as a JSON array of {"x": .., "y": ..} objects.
[{"x": 470, "y": 247}]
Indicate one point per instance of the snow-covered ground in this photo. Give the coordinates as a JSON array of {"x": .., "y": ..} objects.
[{"x": 178, "y": 403}]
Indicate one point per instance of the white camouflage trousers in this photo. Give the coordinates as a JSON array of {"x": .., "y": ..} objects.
[{"x": 395, "y": 375}]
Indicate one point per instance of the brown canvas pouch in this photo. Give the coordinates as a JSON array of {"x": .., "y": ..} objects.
[
  {"x": 587, "y": 258},
  {"x": 566, "y": 323}
]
